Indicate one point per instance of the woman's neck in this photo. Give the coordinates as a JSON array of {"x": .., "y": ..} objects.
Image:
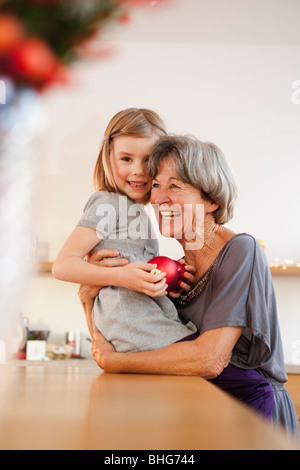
[{"x": 207, "y": 246}]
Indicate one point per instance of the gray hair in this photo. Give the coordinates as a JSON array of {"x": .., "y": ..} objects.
[{"x": 202, "y": 165}]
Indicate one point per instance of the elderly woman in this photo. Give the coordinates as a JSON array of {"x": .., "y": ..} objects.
[{"x": 232, "y": 301}]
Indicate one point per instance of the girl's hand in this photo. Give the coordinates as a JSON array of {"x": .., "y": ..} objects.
[
  {"x": 137, "y": 277},
  {"x": 190, "y": 280}
]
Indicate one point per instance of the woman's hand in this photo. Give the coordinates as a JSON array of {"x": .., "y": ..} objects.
[
  {"x": 100, "y": 349},
  {"x": 86, "y": 293},
  {"x": 137, "y": 277},
  {"x": 190, "y": 280},
  {"x": 104, "y": 258}
]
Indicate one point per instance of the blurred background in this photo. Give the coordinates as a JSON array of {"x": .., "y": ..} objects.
[{"x": 227, "y": 71}]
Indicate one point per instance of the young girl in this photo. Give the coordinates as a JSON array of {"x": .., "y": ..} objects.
[{"x": 132, "y": 312}]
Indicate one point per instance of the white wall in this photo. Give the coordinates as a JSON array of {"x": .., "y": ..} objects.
[{"x": 238, "y": 96}]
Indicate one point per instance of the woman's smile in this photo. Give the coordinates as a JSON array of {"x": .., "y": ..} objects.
[{"x": 169, "y": 215}]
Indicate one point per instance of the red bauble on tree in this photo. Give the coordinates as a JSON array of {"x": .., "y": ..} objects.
[
  {"x": 173, "y": 269},
  {"x": 33, "y": 59},
  {"x": 11, "y": 32},
  {"x": 40, "y": 39}
]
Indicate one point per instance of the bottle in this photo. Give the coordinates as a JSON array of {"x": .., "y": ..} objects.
[
  {"x": 23, "y": 324},
  {"x": 73, "y": 340}
]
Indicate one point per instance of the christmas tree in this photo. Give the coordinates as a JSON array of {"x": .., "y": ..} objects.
[{"x": 40, "y": 39}]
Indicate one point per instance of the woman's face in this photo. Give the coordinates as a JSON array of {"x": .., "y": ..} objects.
[
  {"x": 179, "y": 207},
  {"x": 128, "y": 158}
]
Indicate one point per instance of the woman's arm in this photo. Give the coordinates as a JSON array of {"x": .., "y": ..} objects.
[
  {"x": 206, "y": 357},
  {"x": 88, "y": 310},
  {"x": 87, "y": 293}
]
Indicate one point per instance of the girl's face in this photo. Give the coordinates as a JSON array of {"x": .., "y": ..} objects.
[{"x": 128, "y": 158}]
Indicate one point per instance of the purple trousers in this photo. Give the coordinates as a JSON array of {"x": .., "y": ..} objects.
[{"x": 247, "y": 385}]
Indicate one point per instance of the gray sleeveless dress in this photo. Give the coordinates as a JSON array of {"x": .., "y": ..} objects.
[{"x": 130, "y": 320}]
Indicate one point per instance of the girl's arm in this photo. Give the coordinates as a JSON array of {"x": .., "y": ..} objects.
[
  {"x": 70, "y": 266},
  {"x": 206, "y": 357}
]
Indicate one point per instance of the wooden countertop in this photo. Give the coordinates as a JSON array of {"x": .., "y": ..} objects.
[{"x": 74, "y": 405}]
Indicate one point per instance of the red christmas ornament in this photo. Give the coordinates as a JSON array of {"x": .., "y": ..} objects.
[
  {"x": 11, "y": 32},
  {"x": 33, "y": 59},
  {"x": 173, "y": 269},
  {"x": 125, "y": 19}
]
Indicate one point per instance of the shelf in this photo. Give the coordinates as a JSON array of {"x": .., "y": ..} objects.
[
  {"x": 285, "y": 271},
  {"x": 276, "y": 271}
]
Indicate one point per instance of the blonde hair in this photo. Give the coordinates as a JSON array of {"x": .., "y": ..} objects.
[
  {"x": 202, "y": 165},
  {"x": 133, "y": 122}
]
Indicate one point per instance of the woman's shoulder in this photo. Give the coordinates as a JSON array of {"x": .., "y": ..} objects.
[
  {"x": 243, "y": 246},
  {"x": 242, "y": 241},
  {"x": 241, "y": 258}
]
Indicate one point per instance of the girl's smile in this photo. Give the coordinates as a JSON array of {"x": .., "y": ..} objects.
[{"x": 137, "y": 185}]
